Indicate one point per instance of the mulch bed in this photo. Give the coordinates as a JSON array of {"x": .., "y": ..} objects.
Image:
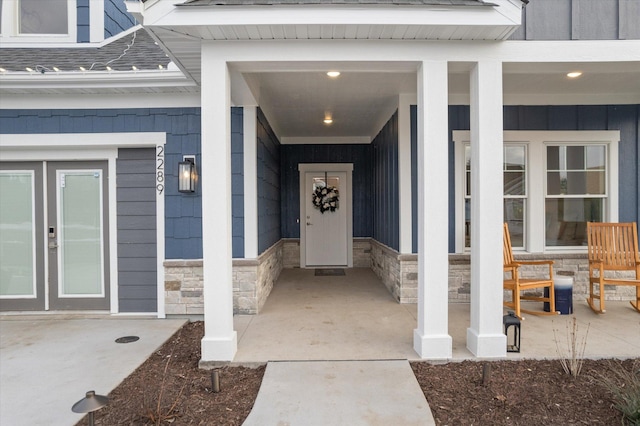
[{"x": 170, "y": 389}]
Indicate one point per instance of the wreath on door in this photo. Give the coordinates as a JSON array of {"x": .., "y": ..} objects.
[{"x": 325, "y": 198}]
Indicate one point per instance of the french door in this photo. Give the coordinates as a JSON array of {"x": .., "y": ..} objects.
[{"x": 54, "y": 236}]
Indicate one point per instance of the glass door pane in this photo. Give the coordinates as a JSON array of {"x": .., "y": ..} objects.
[
  {"x": 17, "y": 234},
  {"x": 80, "y": 233}
]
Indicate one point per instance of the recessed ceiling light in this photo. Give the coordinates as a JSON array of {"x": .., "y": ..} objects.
[
  {"x": 333, "y": 74},
  {"x": 328, "y": 121},
  {"x": 574, "y": 74}
]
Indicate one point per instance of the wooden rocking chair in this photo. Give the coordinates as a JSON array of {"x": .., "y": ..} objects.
[
  {"x": 612, "y": 247},
  {"x": 516, "y": 284}
]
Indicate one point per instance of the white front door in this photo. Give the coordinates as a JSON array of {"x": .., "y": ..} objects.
[{"x": 326, "y": 229}]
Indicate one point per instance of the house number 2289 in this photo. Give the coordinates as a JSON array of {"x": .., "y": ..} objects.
[{"x": 160, "y": 169}]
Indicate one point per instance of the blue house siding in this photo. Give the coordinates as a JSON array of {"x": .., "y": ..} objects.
[
  {"x": 625, "y": 118},
  {"x": 183, "y": 212},
  {"x": 362, "y": 187},
  {"x": 237, "y": 182},
  {"x": 386, "y": 226},
  {"x": 82, "y": 21},
  {"x": 136, "y": 196},
  {"x": 268, "y": 185},
  {"x": 116, "y": 18}
]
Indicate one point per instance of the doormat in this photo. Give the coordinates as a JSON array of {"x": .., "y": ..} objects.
[{"x": 329, "y": 272}]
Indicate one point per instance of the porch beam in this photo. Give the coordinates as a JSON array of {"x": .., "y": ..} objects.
[
  {"x": 220, "y": 340},
  {"x": 484, "y": 336},
  {"x": 431, "y": 339}
]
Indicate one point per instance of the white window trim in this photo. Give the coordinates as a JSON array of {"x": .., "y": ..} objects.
[
  {"x": 10, "y": 27},
  {"x": 536, "y": 141}
]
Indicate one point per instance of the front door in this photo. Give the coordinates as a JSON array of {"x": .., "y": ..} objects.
[
  {"x": 325, "y": 219},
  {"x": 61, "y": 228}
]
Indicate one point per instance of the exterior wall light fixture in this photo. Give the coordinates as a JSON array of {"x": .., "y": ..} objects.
[{"x": 187, "y": 174}]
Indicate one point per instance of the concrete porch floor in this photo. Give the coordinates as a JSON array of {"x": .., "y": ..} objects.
[{"x": 353, "y": 317}]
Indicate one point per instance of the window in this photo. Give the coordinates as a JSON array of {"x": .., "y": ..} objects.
[
  {"x": 38, "y": 21},
  {"x": 43, "y": 17},
  {"x": 576, "y": 192},
  {"x": 515, "y": 192},
  {"x": 554, "y": 182}
]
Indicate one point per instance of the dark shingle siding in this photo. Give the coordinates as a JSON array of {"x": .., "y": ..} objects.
[
  {"x": 116, "y": 18},
  {"x": 143, "y": 53}
]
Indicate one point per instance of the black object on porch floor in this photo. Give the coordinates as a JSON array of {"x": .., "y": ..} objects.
[{"x": 329, "y": 272}]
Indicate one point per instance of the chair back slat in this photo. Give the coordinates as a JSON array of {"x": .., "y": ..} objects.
[
  {"x": 507, "y": 253},
  {"x": 614, "y": 244}
]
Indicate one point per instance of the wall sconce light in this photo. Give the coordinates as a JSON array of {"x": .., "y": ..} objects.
[{"x": 187, "y": 174}]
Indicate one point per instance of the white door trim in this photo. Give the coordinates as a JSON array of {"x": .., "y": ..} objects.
[
  {"x": 347, "y": 203},
  {"x": 97, "y": 146}
]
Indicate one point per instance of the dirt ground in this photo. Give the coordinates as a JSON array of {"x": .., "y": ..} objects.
[{"x": 169, "y": 389}]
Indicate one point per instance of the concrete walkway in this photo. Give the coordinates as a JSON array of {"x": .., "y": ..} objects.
[
  {"x": 49, "y": 362},
  {"x": 367, "y": 393}
]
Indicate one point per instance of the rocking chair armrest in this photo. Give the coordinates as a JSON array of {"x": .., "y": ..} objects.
[{"x": 533, "y": 262}]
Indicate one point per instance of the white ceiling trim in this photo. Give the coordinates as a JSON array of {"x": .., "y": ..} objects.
[{"x": 293, "y": 140}]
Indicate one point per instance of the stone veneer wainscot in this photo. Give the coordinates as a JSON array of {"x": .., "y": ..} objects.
[{"x": 253, "y": 279}]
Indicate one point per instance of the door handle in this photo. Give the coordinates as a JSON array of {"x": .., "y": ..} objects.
[
  {"x": 53, "y": 245},
  {"x": 309, "y": 223}
]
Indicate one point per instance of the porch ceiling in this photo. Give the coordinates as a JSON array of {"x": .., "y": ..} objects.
[{"x": 360, "y": 102}]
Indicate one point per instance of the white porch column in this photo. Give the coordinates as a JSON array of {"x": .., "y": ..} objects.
[
  {"x": 484, "y": 336},
  {"x": 431, "y": 339},
  {"x": 220, "y": 341},
  {"x": 250, "y": 146}
]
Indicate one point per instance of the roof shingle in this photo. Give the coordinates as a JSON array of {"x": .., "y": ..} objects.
[{"x": 121, "y": 55}]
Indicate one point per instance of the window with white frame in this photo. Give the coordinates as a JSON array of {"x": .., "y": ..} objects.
[
  {"x": 37, "y": 21},
  {"x": 554, "y": 182},
  {"x": 514, "y": 166}
]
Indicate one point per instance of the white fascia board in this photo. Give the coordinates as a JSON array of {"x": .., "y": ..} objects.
[
  {"x": 340, "y": 140},
  {"x": 251, "y": 56},
  {"x": 58, "y": 141},
  {"x": 93, "y": 79},
  {"x": 102, "y": 101},
  {"x": 329, "y": 15},
  {"x": 511, "y": 9}
]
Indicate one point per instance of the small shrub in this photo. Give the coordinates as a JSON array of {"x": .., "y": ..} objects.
[
  {"x": 624, "y": 386},
  {"x": 572, "y": 358}
]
